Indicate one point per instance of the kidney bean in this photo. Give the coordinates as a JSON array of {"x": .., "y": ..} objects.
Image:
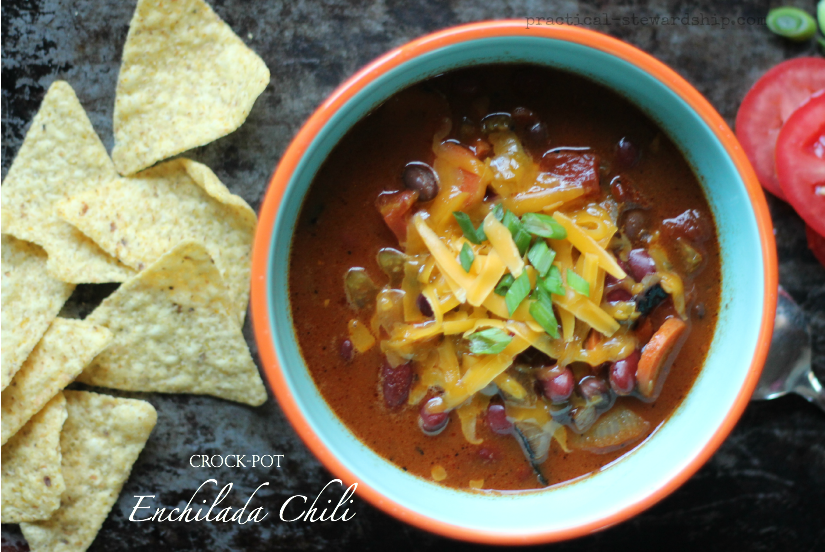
[
  {"x": 635, "y": 222},
  {"x": 424, "y": 306},
  {"x": 596, "y": 392},
  {"x": 346, "y": 351},
  {"x": 396, "y": 383},
  {"x": 488, "y": 454},
  {"x": 627, "y": 154},
  {"x": 420, "y": 177},
  {"x": 617, "y": 295},
  {"x": 640, "y": 264},
  {"x": 623, "y": 374},
  {"x": 557, "y": 383},
  {"x": 497, "y": 419},
  {"x": 432, "y": 423},
  {"x": 610, "y": 280}
]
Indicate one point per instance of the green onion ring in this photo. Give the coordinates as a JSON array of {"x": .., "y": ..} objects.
[{"x": 792, "y": 23}]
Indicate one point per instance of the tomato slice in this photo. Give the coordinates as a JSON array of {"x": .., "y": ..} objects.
[
  {"x": 800, "y": 161},
  {"x": 817, "y": 244},
  {"x": 767, "y": 106}
]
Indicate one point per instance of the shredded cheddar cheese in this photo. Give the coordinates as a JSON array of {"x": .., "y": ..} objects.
[{"x": 466, "y": 349}]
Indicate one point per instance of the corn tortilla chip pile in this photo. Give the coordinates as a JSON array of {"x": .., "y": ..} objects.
[
  {"x": 32, "y": 479},
  {"x": 101, "y": 440},
  {"x": 138, "y": 219},
  {"x": 175, "y": 238},
  {"x": 60, "y": 156},
  {"x": 31, "y": 298},
  {"x": 65, "y": 350},
  {"x": 174, "y": 332},
  {"x": 186, "y": 79}
]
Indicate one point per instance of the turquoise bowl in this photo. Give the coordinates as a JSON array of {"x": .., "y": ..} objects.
[{"x": 704, "y": 418}]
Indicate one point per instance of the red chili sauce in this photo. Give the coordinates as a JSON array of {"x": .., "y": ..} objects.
[{"x": 570, "y": 127}]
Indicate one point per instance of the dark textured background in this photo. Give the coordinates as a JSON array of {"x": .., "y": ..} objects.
[{"x": 763, "y": 490}]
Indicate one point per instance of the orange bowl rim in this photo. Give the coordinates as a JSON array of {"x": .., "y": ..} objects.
[{"x": 487, "y": 29}]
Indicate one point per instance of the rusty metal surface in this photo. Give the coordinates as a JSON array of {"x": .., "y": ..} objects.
[{"x": 763, "y": 490}]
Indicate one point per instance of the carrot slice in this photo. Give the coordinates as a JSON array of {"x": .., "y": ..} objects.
[
  {"x": 655, "y": 354},
  {"x": 593, "y": 340}
]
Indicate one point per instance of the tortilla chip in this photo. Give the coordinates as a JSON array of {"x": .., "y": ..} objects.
[
  {"x": 185, "y": 80},
  {"x": 31, "y": 298},
  {"x": 32, "y": 480},
  {"x": 138, "y": 219},
  {"x": 61, "y": 156},
  {"x": 65, "y": 350},
  {"x": 101, "y": 440},
  {"x": 174, "y": 333}
]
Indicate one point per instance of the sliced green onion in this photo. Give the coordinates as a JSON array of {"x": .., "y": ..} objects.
[
  {"x": 466, "y": 257},
  {"x": 504, "y": 284},
  {"x": 543, "y": 225},
  {"x": 470, "y": 232},
  {"x": 518, "y": 292},
  {"x": 498, "y": 212},
  {"x": 541, "y": 309},
  {"x": 522, "y": 240},
  {"x": 552, "y": 283},
  {"x": 541, "y": 257},
  {"x": 512, "y": 222},
  {"x": 489, "y": 342},
  {"x": 792, "y": 23},
  {"x": 820, "y": 15},
  {"x": 577, "y": 283}
]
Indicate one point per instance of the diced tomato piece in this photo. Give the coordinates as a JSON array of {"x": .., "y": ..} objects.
[
  {"x": 817, "y": 244},
  {"x": 482, "y": 148},
  {"x": 691, "y": 225},
  {"x": 573, "y": 169},
  {"x": 800, "y": 161},
  {"x": 395, "y": 207},
  {"x": 768, "y": 105},
  {"x": 471, "y": 184}
]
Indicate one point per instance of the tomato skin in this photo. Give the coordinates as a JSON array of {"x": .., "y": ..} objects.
[
  {"x": 817, "y": 244},
  {"x": 800, "y": 161},
  {"x": 766, "y": 107},
  {"x": 396, "y": 208},
  {"x": 573, "y": 169}
]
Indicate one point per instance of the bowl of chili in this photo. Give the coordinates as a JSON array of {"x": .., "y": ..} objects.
[{"x": 714, "y": 401}]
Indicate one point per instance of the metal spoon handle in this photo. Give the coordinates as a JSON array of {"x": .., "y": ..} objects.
[{"x": 811, "y": 389}]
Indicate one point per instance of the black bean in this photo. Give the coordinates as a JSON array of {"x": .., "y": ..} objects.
[
  {"x": 421, "y": 178},
  {"x": 424, "y": 306},
  {"x": 596, "y": 392},
  {"x": 627, "y": 154},
  {"x": 635, "y": 222},
  {"x": 537, "y": 134}
]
